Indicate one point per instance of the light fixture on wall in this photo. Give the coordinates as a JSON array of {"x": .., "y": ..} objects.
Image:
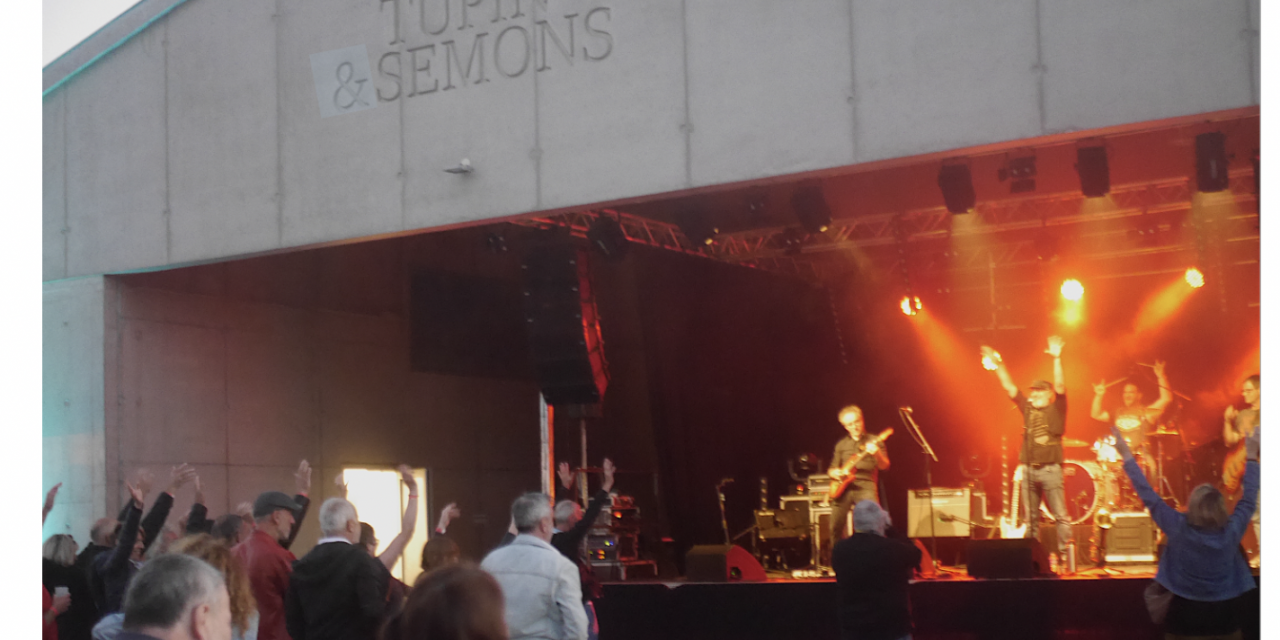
[
  {"x": 464, "y": 167},
  {"x": 1095, "y": 174},
  {"x": 957, "y": 187}
]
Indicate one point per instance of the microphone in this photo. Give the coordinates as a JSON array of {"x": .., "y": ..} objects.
[
  {"x": 906, "y": 409},
  {"x": 946, "y": 517}
]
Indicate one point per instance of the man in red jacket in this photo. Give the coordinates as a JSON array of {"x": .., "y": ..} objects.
[{"x": 268, "y": 562}]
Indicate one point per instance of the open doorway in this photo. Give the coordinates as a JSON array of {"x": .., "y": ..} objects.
[{"x": 380, "y": 498}]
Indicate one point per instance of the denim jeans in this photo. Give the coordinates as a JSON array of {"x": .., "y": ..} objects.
[{"x": 1046, "y": 481}]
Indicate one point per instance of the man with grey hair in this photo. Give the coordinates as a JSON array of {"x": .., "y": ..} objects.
[
  {"x": 873, "y": 569},
  {"x": 543, "y": 595},
  {"x": 177, "y": 597},
  {"x": 336, "y": 591}
]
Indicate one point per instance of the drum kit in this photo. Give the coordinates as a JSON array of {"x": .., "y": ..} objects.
[{"x": 1101, "y": 482}]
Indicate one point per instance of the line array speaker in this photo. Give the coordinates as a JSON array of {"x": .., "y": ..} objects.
[{"x": 564, "y": 327}]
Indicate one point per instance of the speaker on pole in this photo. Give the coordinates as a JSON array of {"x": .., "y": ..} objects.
[{"x": 564, "y": 327}]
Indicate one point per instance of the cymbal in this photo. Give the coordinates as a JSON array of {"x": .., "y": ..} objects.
[
  {"x": 1071, "y": 442},
  {"x": 1163, "y": 433}
]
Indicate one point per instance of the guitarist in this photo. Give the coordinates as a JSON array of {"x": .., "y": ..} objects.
[
  {"x": 1044, "y": 413},
  {"x": 1238, "y": 424},
  {"x": 866, "y": 471}
]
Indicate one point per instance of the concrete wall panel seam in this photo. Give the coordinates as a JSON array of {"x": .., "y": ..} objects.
[
  {"x": 275, "y": 18},
  {"x": 1251, "y": 35},
  {"x": 66, "y": 220},
  {"x": 853, "y": 97},
  {"x": 1040, "y": 70},
  {"x": 168, "y": 169},
  {"x": 688, "y": 124}
]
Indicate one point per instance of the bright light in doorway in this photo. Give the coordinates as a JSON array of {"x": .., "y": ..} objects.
[{"x": 380, "y": 498}]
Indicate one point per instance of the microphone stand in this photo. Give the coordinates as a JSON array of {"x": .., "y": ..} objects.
[
  {"x": 918, "y": 436},
  {"x": 724, "y": 525}
]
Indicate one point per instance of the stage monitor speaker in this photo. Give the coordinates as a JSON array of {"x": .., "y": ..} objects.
[
  {"x": 722, "y": 563},
  {"x": 947, "y": 505},
  {"x": 564, "y": 329},
  {"x": 1016, "y": 558}
]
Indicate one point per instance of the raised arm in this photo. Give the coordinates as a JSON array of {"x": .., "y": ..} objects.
[
  {"x": 1096, "y": 411},
  {"x": 1164, "y": 516},
  {"x": 579, "y": 531},
  {"x": 1230, "y": 435},
  {"x": 48, "y": 501},
  {"x": 302, "y": 482},
  {"x": 447, "y": 515},
  {"x": 198, "y": 517},
  {"x": 407, "y": 522},
  {"x": 1055, "y": 349},
  {"x": 1001, "y": 371},
  {"x": 1155, "y": 409}
]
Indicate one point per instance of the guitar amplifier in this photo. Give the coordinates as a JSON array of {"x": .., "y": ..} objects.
[{"x": 947, "y": 504}]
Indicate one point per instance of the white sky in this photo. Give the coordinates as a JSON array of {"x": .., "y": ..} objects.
[{"x": 68, "y": 22}]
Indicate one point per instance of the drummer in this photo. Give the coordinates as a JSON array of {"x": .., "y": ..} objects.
[{"x": 1133, "y": 419}]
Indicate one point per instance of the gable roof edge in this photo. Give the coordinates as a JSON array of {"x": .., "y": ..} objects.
[{"x": 110, "y": 37}]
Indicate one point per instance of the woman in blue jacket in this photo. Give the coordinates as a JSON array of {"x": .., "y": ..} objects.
[{"x": 1202, "y": 563}]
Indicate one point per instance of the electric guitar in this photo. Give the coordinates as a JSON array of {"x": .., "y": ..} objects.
[
  {"x": 1010, "y": 527},
  {"x": 838, "y": 487}
]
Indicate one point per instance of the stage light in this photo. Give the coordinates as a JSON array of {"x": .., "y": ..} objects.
[
  {"x": 1095, "y": 175},
  {"x": 696, "y": 227},
  {"x": 907, "y": 307},
  {"x": 1195, "y": 278},
  {"x": 607, "y": 236},
  {"x": 957, "y": 188},
  {"x": 1072, "y": 289},
  {"x": 991, "y": 363},
  {"x": 1211, "y": 162},
  {"x": 811, "y": 208}
]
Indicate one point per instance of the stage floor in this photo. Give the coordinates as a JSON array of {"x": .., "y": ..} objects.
[{"x": 1083, "y": 606}]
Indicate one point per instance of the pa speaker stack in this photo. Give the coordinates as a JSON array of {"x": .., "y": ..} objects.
[{"x": 564, "y": 328}]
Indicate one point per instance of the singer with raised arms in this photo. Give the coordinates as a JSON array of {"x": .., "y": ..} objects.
[
  {"x": 858, "y": 457},
  {"x": 1044, "y": 413}
]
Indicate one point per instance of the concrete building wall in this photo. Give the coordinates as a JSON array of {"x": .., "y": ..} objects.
[
  {"x": 243, "y": 369},
  {"x": 73, "y": 445},
  {"x": 203, "y": 138}
]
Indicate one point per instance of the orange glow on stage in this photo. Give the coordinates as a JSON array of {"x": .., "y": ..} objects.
[
  {"x": 1160, "y": 307},
  {"x": 975, "y": 395},
  {"x": 906, "y": 306}
]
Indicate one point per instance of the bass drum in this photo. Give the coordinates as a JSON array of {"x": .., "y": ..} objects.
[{"x": 1082, "y": 483}]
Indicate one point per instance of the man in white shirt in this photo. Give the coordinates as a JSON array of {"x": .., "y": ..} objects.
[{"x": 541, "y": 586}]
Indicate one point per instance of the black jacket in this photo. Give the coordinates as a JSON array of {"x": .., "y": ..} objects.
[
  {"x": 77, "y": 622},
  {"x": 113, "y": 571},
  {"x": 569, "y": 544},
  {"x": 335, "y": 593},
  {"x": 872, "y": 576}
]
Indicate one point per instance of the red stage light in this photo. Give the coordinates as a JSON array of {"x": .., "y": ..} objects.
[
  {"x": 906, "y": 306},
  {"x": 1195, "y": 278},
  {"x": 1072, "y": 289}
]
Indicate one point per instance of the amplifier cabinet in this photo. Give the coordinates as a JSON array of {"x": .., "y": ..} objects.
[
  {"x": 1132, "y": 539},
  {"x": 612, "y": 547},
  {"x": 947, "y": 503}
]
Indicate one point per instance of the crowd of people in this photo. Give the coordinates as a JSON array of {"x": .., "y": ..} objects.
[{"x": 234, "y": 576}]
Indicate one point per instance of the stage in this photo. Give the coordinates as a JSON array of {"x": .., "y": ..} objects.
[{"x": 956, "y": 608}]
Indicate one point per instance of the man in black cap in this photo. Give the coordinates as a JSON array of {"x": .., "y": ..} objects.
[
  {"x": 265, "y": 555},
  {"x": 1044, "y": 413}
]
